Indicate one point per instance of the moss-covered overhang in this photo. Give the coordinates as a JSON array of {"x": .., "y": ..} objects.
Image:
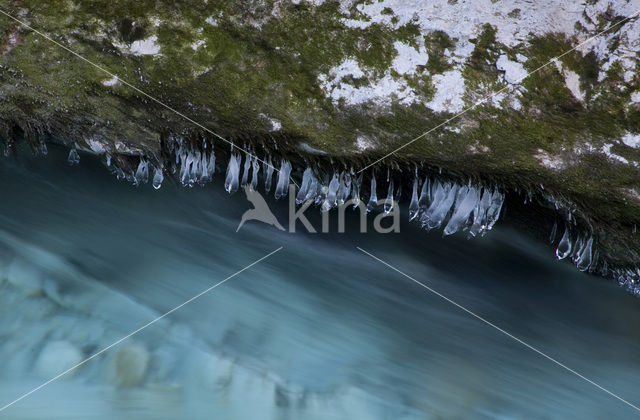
[{"x": 351, "y": 80}]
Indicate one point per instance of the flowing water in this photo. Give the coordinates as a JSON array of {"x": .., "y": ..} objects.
[{"x": 318, "y": 330}]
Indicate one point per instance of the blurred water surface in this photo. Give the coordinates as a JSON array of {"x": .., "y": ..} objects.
[{"x": 316, "y": 331}]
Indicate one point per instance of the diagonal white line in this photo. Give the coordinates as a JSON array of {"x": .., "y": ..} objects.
[
  {"x": 136, "y": 331},
  {"x": 488, "y": 97},
  {"x": 499, "y": 329},
  {"x": 140, "y": 91}
]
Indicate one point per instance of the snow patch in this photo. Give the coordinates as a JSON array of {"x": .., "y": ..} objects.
[
  {"x": 276, "y": 125},
  {"x": 196, "y": 45},
  {"x": 380, "y": 91},
  {"x": 409, "y": 58},
  {"x": 514, "y": 72},
  {"x": 631, "y": 140},
  {"x": 111, "y": 82},
  {"x": 571, "y": 80},
  {"x": 363, "y": 144},
  {"x": 548, "y": 161},
  {"x": 450, "y": 89},
  {"x": 147, "y": 46},
  {"x": 606, "y": 149}
]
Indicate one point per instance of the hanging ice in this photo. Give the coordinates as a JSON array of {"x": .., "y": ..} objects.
[
  {"x": 304, "y": 186},
  {"x": 283, "y": 180},
  {"x": 493, "y": 212},
  {"x": 330, "y": 201},
  {"x": 346, "y": 190},
  {"x": 440, "y": 208},
  {"x": 340, "y": 192},
  {"x": 142, "y": 173},
  {"x": 480, "y": 213},
  {"x": 355, "y": 192},
  {"x": 158, "y": 178},
  {"x": 413, "y": 206},
  {"x": 388, "y": 204},
  {"x": 247, "y": 166},
  {"x": 373, "y": 198},
  {"x": 268, "y": 175},
  {"x": 564, "y": 246},
  {"x": 233, "y": 173},
  {"x": 583, "y": 260},
  {"x": 254, "y": 173},
  {"x": 74, "y": 157},
  {"x": 466, "y": 201}
]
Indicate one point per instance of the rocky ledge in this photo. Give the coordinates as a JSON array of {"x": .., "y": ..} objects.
[{"x": 340, "y": 84}]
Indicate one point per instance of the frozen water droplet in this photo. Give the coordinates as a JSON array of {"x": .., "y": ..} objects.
[
  {"x": 283, "y": 180},
  {"x": 158, "y": 178},
  {"x": 233, "y": 173},
  {"x": 413, "y": 206},
  {"x": 564, "y": 247},
  {"x": 373, "y": 198},
  {"x": 74, "y": 157},
  {"x": 388, "y": 203},
  {"x": 268, "y": 175}
]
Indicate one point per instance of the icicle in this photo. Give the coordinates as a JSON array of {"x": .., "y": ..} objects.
[
  {"x": 283, "y": 180},
  {"x": 584, "y": 259},
  {"x": 388, "y": 204},
  {"x": 245, "y": 173},
  {"x": 233, "y": 173},
  {"x": 466, "y": 201},
  {"x": 268, "y": 176},
  {"x": 439, "y": 193},
  {"x": 255, "y": 170},
  {"x": 330, "y": 201},
  {"x": 304, "y": 186},
  {"x": 340, "y": 192},
  {"x": 73, "y": 158},
  {"x": 312, "y": 192},
  {"x": 554, "y": 231},
  {"x": 564, "y": 247},
  {"x": 347, "y": 188},
  {"x": 158, "y": 178},
  {"x": 442, "y": 207},
  {"x": 355, "y": 192},
  {"x": 373, "y": 198},
  {"x": 425, "y": 196},
  {"x": 480, "y": 213},
  {"x": 413, "y": 206},
  {"x": 142, "y": 173},
  {"x": 493, "y": 212}
]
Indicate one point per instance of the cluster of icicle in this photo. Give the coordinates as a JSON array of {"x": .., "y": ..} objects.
[
  {"x": 454, "y": 206},
  {"x": 195, "y": 166},
  {"x": 628, "y": 278},
  {"x": 579, "y": 248},
  {"x": 468, "y": 208},
  {"x": 434, "y": 203}
]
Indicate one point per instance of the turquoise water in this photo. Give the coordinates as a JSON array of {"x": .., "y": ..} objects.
[{"x": 318, "y": 330}]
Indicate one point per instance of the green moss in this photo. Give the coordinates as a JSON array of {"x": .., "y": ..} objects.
[{"x": 437, "y": 42}]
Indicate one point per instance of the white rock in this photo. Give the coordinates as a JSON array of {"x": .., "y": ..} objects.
[
  {"x": 127, "y": 366},
  {"x": 56, "y": 357}
]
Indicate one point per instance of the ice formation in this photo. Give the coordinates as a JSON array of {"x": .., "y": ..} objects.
[
  {"x": 195, "y": 165},
  {"x": 282, "y": 188},
  {"x": 74, "y": 157},
  {"x": 233, "y": 172}
]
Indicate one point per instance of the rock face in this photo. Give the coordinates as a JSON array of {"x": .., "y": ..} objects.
[{"x": 349, "y": 80}]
